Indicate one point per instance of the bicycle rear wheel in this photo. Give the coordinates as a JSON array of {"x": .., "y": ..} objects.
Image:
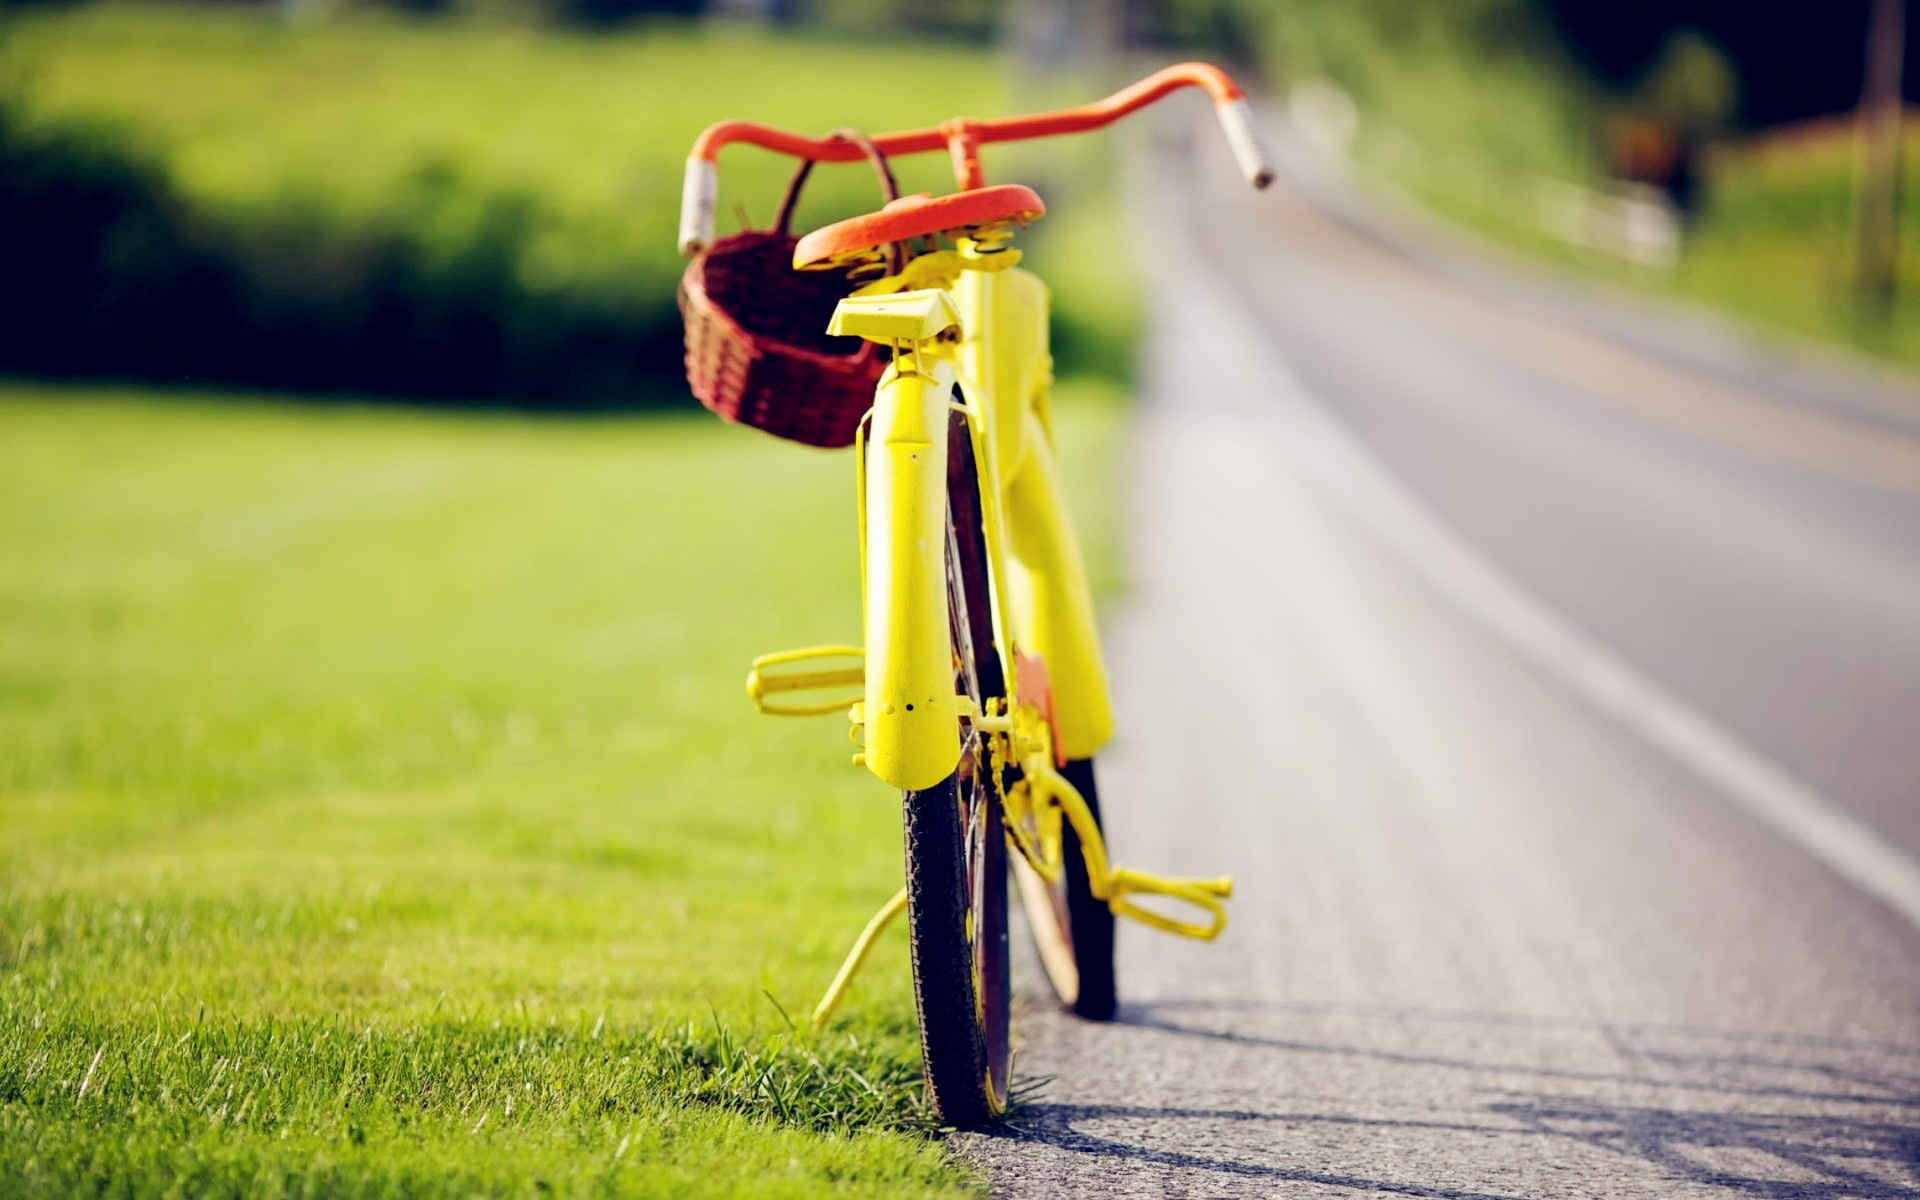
[
  {"x": 957, "y": 852},
  {"x": 1072, "y": 929}
]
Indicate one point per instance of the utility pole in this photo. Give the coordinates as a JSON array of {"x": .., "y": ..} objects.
[{"x": 1877, "y": 206}]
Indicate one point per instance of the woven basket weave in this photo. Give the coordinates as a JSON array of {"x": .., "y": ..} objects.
[{"x": 757, "y": 348}]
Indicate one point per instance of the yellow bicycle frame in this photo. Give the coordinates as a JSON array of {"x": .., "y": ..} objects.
[
  {"x": 977, "y": 346},
  {"x": 1001, "y": 363}
]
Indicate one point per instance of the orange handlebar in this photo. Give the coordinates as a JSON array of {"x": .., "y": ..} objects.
[
  {"x": 963, "y": 137},
  {"x": 1002, "y": 129}
]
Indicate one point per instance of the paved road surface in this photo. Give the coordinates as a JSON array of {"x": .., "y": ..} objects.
[{"x": 1565, "y": 741}]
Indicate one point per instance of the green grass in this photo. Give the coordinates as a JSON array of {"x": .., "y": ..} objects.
[
  {"x": 1777, "y": 241},
  {"x": 249, "y": 114},
  {"x": 383, "y": 814}
]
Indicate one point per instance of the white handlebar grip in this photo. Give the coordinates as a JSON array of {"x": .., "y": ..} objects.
[
  {"x": 697, "y": 198},
  {"x": 1236, "y": 120}
]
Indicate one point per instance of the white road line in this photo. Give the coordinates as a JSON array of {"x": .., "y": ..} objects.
[{"x": 1304, "y": 428}]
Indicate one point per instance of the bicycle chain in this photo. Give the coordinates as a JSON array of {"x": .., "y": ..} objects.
[{"x": 1000, "y": 760}]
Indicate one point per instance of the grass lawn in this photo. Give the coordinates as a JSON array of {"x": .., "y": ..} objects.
[
  {"x": 1778, "y": 243},
  {"x": 383, "y": 814},
  {"x": 252, "y": 115}
]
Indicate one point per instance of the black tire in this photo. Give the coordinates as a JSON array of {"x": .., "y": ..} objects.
[
  {"x": 1090, "y": 920},
  {"x": 1072, "y": 930},
  {"x": 957, "y": 927},
  {"x": 957, "y": 854}
]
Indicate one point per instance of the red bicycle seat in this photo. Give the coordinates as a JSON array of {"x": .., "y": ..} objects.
[{"x": 915, "y": 216}]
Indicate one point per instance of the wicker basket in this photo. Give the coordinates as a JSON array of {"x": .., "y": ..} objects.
[{"x": 757, "y": 348}]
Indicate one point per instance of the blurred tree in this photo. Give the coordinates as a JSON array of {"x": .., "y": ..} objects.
[
  {"x": 1691, "y": 86},
  {"x": 1224, "y": 28},
  {"x": 1877, "y": 209},
  {"x": 613, "y": 12},
  {"x": 1688, "y": 96},
  {"x": 1794, "y": 60},
  {"x": 970, "y": 20}
]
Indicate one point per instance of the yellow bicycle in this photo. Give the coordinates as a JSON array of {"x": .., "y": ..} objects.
[{"x": 979, "y": 690}]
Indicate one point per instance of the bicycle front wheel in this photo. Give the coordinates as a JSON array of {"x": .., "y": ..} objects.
[{"x": 957, "y": 850}]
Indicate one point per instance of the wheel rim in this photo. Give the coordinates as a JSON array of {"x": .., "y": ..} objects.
[
  {"x": 985, "y": 836},
  {"x": 1047, "y": 916},
  {"x": 985, "y": 850},
  {"x": 986, "y": 853}
]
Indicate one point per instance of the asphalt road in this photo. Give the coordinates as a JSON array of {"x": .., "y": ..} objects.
[{"x": 1548, "y": 675}]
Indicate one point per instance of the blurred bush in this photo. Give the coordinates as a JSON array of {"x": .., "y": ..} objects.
[
  {"x": 105, "y": 271},
  {"x": 444, "y": 209}
]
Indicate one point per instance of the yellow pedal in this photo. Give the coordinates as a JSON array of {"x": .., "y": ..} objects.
[
  {"x": 796, "y": 671},
  {"x": 1124, "y": 883}
]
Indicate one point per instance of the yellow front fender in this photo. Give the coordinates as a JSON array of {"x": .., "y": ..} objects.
[{"x": 912, "y": 722}]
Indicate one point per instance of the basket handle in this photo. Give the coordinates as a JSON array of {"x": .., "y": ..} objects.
[{"x": 889, "y": 187}]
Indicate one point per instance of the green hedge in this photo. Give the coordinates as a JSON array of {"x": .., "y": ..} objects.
[{"x": 106, "y": 271}]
